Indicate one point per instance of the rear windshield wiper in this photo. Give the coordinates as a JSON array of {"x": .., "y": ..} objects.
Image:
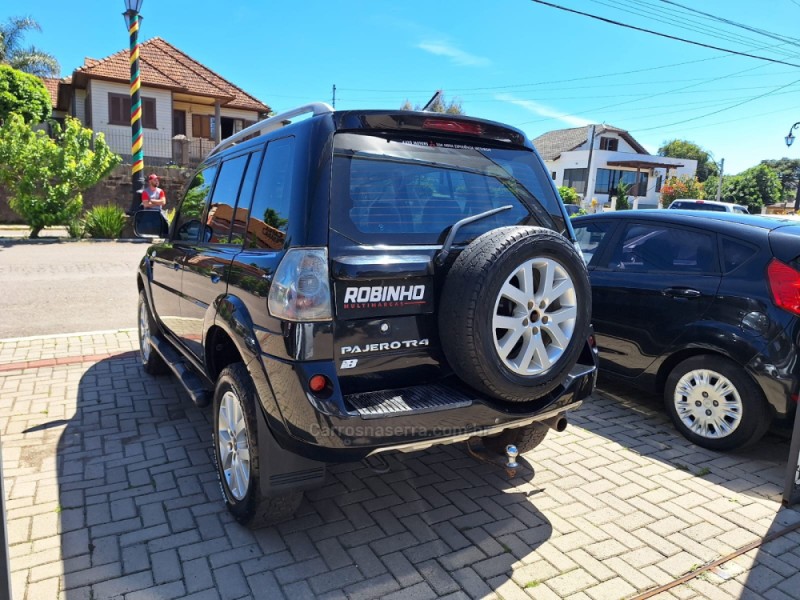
[{"x": 448, "y": 241}]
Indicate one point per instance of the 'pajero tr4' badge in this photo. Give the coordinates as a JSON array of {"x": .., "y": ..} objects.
[{"x": 384, "y": 346}]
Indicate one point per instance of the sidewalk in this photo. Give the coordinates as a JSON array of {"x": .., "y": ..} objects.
[
  {"x": 112, "y": 494},
  {"x": 18, "y": 232}
]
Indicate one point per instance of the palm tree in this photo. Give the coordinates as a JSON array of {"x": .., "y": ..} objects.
[{"x": 30, "y": 60}]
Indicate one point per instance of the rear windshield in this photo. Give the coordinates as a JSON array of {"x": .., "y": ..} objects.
[
  {"x": 698, "y": 206},
  {"x": 410, "y": 192}
]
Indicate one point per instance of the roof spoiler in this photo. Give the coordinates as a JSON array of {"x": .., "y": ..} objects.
[{"x": 272, "y": 123}]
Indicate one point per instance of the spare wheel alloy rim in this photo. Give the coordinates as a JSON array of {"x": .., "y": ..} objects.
[
  {"x": 234, "y": 451},
  {"x": 144, "y": 332},
  {"x": 708, "y": 404},
  {"x": 534, "y": 316}
]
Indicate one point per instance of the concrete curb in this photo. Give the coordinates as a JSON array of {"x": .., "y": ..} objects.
[{"x": 11, "y": 240}]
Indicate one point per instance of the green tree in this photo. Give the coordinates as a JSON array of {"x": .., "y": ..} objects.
[
  {"x": 23, "y": 94},
  {"x": 45, "y": 177},
  {"x": 31, "y": 59},
  {"x": 569, "y": 195},
  {"x": 622, "y": 196},
  {"x": 685, "y": 149},
  {"x": 440, "y": 105},
  {"x": 788, "y": 170},
  {"x": 755, "y": 187}
]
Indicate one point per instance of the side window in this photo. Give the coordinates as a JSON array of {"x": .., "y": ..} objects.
[
  {"x": 242, "y": 212},
  {"x": 223, "y": 202},
  {"x": 735, "y": 253},
  {"x": 653, "y": 248},
  {"x": 269, "y": 216},
  {"x": 188, "y": 224},
  {"x": 590, "y": 235}
]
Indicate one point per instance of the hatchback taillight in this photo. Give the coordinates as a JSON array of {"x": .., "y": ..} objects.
[
  {"x": 300, "y": 290},
  {"x": 784, "y": 284}
]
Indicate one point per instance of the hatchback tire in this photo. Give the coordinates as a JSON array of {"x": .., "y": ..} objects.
[
  {"x": 236, "y": 453},
  {"x": 714, "y": 404}
]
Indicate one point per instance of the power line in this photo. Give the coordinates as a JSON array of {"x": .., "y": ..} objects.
[
  {"x": 664, "y": 35},
  {"x": 668, "y": 15},
  {"x": 716, "y": 112},
  {"x": 763, "y": 32},
  {"x": 673, "y": 91}
]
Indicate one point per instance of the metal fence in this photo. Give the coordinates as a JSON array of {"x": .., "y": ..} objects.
[{"x": 160, "y": 149}]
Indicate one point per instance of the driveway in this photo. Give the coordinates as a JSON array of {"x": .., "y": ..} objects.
[
  {"x": 64, "y": 287},
  {"x": 112, "y": 494}
]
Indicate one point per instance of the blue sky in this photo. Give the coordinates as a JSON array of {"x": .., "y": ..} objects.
[{"x": 513, "y": 61}]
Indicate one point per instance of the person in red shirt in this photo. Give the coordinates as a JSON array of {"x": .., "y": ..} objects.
[{"x": 153, "y": 197}]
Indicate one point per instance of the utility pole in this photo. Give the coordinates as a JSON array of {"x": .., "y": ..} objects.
[
  {"x": 334, "y": 96},
  {"x": 719, "y": 183},
  {"x": 589, "y": 165}
]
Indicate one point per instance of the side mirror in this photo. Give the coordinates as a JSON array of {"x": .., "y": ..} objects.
[{"x": 150, "y": 223}]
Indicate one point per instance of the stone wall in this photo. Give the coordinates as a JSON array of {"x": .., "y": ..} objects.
[{"x": 116, "y": 189}]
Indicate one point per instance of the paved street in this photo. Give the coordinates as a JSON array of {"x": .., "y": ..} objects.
[
  {"x": 67, "y": 287},
  {"x": 112, "y": 494}
]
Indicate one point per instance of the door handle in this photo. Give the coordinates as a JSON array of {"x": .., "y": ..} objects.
[{"x": 677, "y": 292}]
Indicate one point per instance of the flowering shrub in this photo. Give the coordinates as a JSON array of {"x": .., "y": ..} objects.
[{"x": 681, "y": 187}]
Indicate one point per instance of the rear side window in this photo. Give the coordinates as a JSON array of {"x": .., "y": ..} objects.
[
  {"x": 654, "y": 248},
  {"x": 269, "y": 216},
  {"x": 411, "y": 192},
  {"x": 735, "y": 253},
  {"x": 590, "y": 235}
]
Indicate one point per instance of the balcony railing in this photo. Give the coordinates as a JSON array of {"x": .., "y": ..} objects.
[{"x": 162, "y": 150}]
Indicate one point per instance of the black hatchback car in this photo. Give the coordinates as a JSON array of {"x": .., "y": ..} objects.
[{"x": 701, "y": 306}]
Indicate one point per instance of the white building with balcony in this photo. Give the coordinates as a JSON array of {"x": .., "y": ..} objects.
[{"x": 595, "y": 158}]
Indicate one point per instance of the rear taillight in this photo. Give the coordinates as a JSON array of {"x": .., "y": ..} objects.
[
  {"x": 784, "y": 284},
  {"x": 300, "y": 290}
]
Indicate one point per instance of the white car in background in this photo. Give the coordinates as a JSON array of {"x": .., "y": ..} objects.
[{"x": 695, "y": 204}]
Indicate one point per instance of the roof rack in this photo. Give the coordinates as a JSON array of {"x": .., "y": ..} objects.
[{"x": 271, "y": 124}]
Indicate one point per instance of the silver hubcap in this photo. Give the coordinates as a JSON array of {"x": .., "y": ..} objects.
[
  {"x": 708, "y": 404},
  {"x": 144, "y": 332},
  {"x": 234, "y": 451},
  {"x": 534, "y": 316}
]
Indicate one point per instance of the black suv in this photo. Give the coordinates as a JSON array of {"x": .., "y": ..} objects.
[{"x": 363, "y": 281}]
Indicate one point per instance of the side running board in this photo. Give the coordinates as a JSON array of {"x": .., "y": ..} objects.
[{"x": 195, "y": 386}]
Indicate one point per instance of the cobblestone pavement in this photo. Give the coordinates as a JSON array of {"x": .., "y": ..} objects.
[{"x": 111, "y": 493}]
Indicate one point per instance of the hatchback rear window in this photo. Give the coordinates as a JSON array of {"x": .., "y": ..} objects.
[
  {"x": 410, "y": 192},
  {"x": 698, "y": 206}
]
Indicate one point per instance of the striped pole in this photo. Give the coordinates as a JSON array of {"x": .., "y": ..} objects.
[{"x": 137, "y": 136}]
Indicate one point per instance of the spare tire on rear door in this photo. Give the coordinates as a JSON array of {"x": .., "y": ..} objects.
[{"x": 514, "y": 312}]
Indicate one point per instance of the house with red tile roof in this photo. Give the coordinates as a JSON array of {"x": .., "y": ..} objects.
[{"x": 186, "y": 107}]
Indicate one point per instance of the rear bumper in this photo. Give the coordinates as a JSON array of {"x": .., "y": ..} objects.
[
  {"x": 776, "y": 369},
  {"x": 334, "y": 429}
]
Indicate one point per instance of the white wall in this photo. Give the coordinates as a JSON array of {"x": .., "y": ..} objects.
[
  {"x": 157, "y": 142},
  {"x": 80, "y": 105}
]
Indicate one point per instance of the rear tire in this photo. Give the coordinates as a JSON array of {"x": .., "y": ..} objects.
[
  {"x": 524, "y": 438},
  {"x": 237, "y": 454},
  {"x": 714, "y": 404},
  {"x": 152, "y": 363}
]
